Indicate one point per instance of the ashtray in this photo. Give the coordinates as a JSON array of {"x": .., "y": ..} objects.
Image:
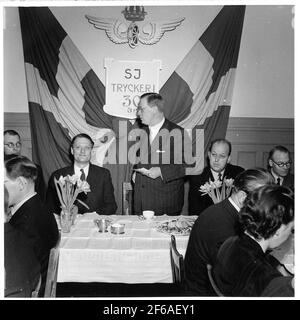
[{"x": 117, "y": 228}]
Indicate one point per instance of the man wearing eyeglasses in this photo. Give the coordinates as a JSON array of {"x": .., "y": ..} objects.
[
  {"x": 279, "y": 162},
  {"x": 12, "y": 148}
]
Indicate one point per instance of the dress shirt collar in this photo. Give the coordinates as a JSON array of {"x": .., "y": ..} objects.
[
  {"x": 275, "y": 176},
  {"x": 14, "y": 209},
  {"x": 216, "y": 174},
  {"x": 154, "y": 129},
  {"x": 77, "y": 171},
  {"x": 238, "y": 209}
]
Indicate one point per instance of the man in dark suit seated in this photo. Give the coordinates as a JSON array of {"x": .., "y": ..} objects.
[
  {"x": 243, "y": 267},
  {"x": 22, "y": 269},
  {"x": 12, "y": 148},
  {"x": 28, "y": 213},
  {"x": 101, "y": 197},
  {"x": 279, "y": 162},
  {"x": 213, "y": 227},
  {"x": 158, "y": 177},
  {"x": 218, "y": 169}
]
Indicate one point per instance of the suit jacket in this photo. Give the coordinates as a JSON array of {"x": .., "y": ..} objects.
[
  {"x": 211, "y": 229},
  {"x": 242, "y": 269},
  {"x": 22, "y": 268},
  {"x": 197, "y": 202},
  {"x": 164, "y": 196},
  {"x": 100, "y": 199},
  {"x": 288, "y": 180},
  {"x": 40, "y": 227}
]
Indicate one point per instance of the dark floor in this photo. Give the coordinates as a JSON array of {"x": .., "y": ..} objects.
[{"x": 82, "y": 290}]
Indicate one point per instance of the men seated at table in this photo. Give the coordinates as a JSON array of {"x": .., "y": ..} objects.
[
  {"x": 12, "y": 148},
  {"x": 22, "y": 269},
  {"x": 218, "y": 169},
  {"x": 243, "y": 267},
  {"x": 213, "y": 227},
  {"x": 279, "y": 162},
  {"x": 28, "y": 213},
  {"x": 101, "y": 197}
]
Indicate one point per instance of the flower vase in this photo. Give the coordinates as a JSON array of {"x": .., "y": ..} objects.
[
  {"x": 74, "y": 212},
  {"x": 65, "y": 220}
]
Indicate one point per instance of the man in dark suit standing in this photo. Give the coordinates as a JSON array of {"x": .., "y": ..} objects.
[
  {"x": 28, "y": 213},
  {"x": 159, "y": 176},
  {"x": 101, "y": 197},
  {"x": 219, "y": 168},
  {"x": 279, "y": 162},
  {"x": 12, "y": 148}
]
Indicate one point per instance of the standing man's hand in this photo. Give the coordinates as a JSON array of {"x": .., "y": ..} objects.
[{"x": 133, "y": 176}]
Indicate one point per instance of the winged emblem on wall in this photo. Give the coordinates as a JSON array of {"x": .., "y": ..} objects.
[{"x": 132, "y": 33}]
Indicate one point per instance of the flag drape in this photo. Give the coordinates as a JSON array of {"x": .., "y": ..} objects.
[
  {"x": 199, "y": 91},
  {"x": 65, "y": 96}
]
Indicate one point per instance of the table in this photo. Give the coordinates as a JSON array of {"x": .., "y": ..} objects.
[{"x": 140, "y": 255}]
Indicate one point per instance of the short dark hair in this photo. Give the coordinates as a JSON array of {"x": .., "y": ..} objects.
[
  {"x": 278, "y": 148},
  {"x": 82, "y": 135},
  {"x": 248, "y": 180},
  {"x": 266, "y": 209},
  {"x": 154, "y": 99},
  {"x": 11, "y": 133},
  {"x": 220, "y": 140},
  {"x": 21, "y": 166}
]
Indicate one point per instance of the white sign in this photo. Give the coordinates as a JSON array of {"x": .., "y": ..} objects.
[{"x": 126, "y": 81}]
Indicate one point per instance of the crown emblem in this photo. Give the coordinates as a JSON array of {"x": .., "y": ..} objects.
[
  {"x": 134, "y": 13},
  {"x": 148, "y": 32}
]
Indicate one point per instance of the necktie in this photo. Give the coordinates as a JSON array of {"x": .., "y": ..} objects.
[
  {"x": 278, "y": 181},
  {"x": 220, "y": 176},
  {"x": 82, "y": 177},
  {"x": 151, "y": 136}
]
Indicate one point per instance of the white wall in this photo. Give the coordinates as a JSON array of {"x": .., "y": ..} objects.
[{"x": 265, "y": 75}]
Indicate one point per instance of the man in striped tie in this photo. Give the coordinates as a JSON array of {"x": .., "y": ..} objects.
[{"x": 101, "y": 198}]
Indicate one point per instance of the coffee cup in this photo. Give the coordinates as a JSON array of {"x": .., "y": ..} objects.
[{"x": 148, "y": 214}]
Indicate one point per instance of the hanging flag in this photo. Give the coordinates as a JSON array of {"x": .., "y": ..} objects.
[
  {"x": 198, "y": 94},
  {"x": 64, "y": 94}
]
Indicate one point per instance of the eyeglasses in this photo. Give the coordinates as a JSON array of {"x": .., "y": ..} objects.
[
  {"x": 11, "y": 145},
  {"x": 282, "y": 164}
]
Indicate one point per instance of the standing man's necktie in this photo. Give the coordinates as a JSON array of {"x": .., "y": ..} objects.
[
  {"x": 82, "y": 177},
  {"x": 220, "y": 176},
  {"x": 151, "y": 136},
  {"x": 278, "y": 181}
]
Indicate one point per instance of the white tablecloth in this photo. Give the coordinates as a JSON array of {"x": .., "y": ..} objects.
[{"x": 140, "y": 255}]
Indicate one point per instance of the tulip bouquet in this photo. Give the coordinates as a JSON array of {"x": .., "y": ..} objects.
[
  {"x": 217, "y": 190},
  {"x": 68, "y": 189}
]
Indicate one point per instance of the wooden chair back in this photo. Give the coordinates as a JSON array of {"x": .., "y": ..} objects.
[
  {"x": 51, "y": 280},
  {"x": 177, "y": 264},
  {"x": 212, "y": 281},
  {"x": 127, "y": 198}
]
